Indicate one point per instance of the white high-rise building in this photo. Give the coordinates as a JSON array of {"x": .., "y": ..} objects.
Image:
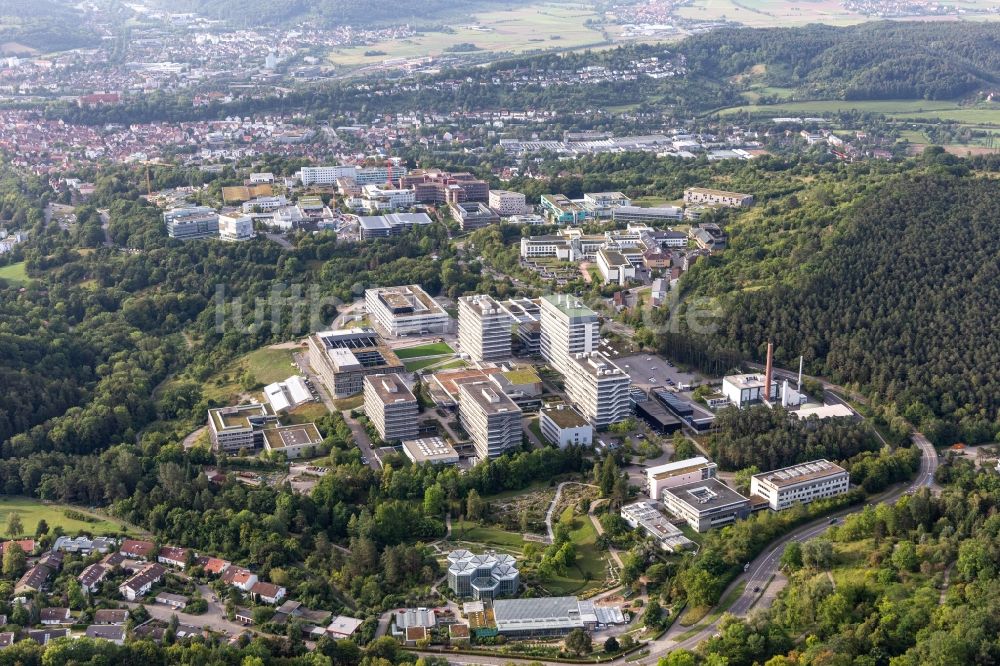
[
  {"x": 484, "y": 328},
  {"x": 598, "y": 388},
  {"x": 507, "y": 203},
  {"x": 391, "y": 407},
  {"x": 492, "y": 419},
  {"x": 568, "y": 327}
]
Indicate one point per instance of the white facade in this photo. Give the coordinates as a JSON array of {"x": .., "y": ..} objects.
[
  {"x": 484, "y": 328},
  {"x": 326, "y": 175},
  {"x": 379, "y": 198},
  {"x": 614, "y": 267},
  {"x": 235, "y": 228},
  {"x": 678, "y": 473},
  {"x": 742, "y": 390},
  {"x": 598, "y": 388},
  {"x": 506, "y": 203},
  {"x": 391, "y": 407},
  {"x": 265, "y": 204},
  {"x": 800, "y": 484},
  {"x": 492, "y": 420},
  {"x": 564, "y": 426},
  {"x": 406, "y": 310},
  {"x": 568, "y": 327}
]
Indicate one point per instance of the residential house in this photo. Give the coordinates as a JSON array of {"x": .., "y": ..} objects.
[
  {"x": 44, "y": 636},
  {"x": 239, "y": 577},
  {"x": 142, "y": 582},
  {"x": 212, "y": 565},
  {"x": 92, "y": 577},
  {"x": 111, "y": 616},
  {"x": 174, "y": 556},
  {"x": 138, "y": 550},
  {"x": 107, "y": 632},
  {"x": 268, "y": 592},
  {"x": 33, "y": 580},
  {"x": 343, "y": 626},
  {"x": 49, "y": 616}
]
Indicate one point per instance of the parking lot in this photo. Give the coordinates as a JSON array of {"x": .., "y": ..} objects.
[{"x": 649, "y": 371}]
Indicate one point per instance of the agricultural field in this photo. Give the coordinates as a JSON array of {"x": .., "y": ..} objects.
[
  {"x": 32, "y": 511},
  {"x": 14, "y": 273},
  {"x": 903, "y": 109},
  {"x": 771, "y": 13},
  {"x": 544, "y": 25}
]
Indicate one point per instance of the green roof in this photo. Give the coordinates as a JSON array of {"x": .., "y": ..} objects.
[
  {"x": 522, "y": 376},
  {"x": 570, "y": 306}
]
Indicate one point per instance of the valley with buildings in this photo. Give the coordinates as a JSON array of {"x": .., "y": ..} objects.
[{"x": 634, "y": 333}]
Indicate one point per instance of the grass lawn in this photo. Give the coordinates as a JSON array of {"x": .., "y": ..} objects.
[
  {"x": 988, "y": 113},
  {"x": 266, "y": 365},
  {"x": 770, "y": 13},
  {"x": 430, "y": 349},
  {"x": 15, "y": 273},
  {"x": 306, "y": 413},
  {"x": 589, "y": 570},
  {"x": 420, "y": 364},
  {"x": 453, "y": 365},
  {"x": 353, "y": 402},
  {"x": 32, "y": 510},
  {"x": 466, "y": 530},
  {"x": 692, "y": 616}
]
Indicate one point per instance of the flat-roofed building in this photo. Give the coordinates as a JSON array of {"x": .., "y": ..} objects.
[
  {"x": 484, "y": 328},
  {"x": 542, "y": 616},
  {"x": 678, "y": 473},
  {"x": 704, "y": 195},
  {"x": 405, "y": 310},
  {"x": 564, "y": 426},
  {"x": 235, "y": 228},
  {"x": 568, "y": 327},
  {"x": 492, "y": 420},
  {"x": 525, "y": 313},
  {"x": 598, "y": 388},
  {"x": 473, "y": 215},
  {"x": 706, "y": 504},
  {"x": 615, "y": 268},
  {"x": 343, "y": 358},
  {"x": 659, "y": 215},
  {"x": 561, "y": 210},
  {"x": 645, "y": 516},
  {"x": 382, "y": 197},
  {"x": 430, "y": 450},
  {"x": 394, "y": 224},
  {"x": 603, "y": 204},
  {"x": 506, "y": 203},
  {"x": 800, "y": 484},
  {"x": 239, "y": 427},
  {"x": 294, "y": 441},
  {"x": 192, "y": 222},
  {"x": 744, "y": 390},
  {"x": 391, "y": 407}
]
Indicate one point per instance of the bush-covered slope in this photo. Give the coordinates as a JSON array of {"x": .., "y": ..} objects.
[{"x": 904, "y": 302}]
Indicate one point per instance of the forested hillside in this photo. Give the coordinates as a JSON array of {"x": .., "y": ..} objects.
[
  {"x": 902, "y": 300},
  {"x": 43, "y": 25},
  {"x": 884, "y": 60}
]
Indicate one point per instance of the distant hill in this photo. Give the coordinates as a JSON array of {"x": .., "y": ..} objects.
[
  {"x": 882, "y": 60},
  {"x": 40, "y": 25}
]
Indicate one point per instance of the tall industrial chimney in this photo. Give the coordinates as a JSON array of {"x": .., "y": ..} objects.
[
  {"x": 800, "y": 375},
  {"x": 768, "y": 370}
]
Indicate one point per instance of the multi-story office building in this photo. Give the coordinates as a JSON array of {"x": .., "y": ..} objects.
[
  {"x": 598, "y": 388},
  {"x": 326, "y": 176},
  {"x": 507, "y": 203},
  {"x": 381, "y": 197},
  {"x": 800, "y": 484},
  {"x": 473, "y": 215},
  {"x": 440, "y": 187},
  {"x": 564, "y": 426},
  {"x": 239, "y": 427},
  {"x": 264, "y": 204},
  {"x": 615, "y": 268},
  {"x": 492, "y": 420},
  {"x": 604, "y": 204},
  {"x": 526, "y": 313},
  {"x": 391, "y": 407},
  {"x": 343, "y": 358},
  {"x": 393, "y": 224},
  {"x": 485, "y": 576},
  {"x": 406, "y": 310},
  {"x": 703, "y": 195},
  {"x": 192, "y": 222},
  {"x": 561, "y": 210},
  {"x": 235, "y": 227},
  {"x": 678, "y": 473},
  {"x": 629, "y": 214},
  {"x": 568, "y": 327},
  {"x": 706, "y": 504},
  {"x": 484, "y": 328}
]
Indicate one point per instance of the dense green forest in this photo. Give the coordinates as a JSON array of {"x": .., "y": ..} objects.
[
  {"x": 882, "y": 60},
  {"x": 900, "y": 300},
  {"x": 45, "y": 25}
]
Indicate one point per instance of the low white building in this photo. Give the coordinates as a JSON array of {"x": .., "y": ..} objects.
[
  {"x": 744, "y": 390},
  {"x": 564, "y": 426},
  {"x": 800, "y": 484},
  {"x": 678, "y": 473},
  {"x": 645, "y": 516},
  {"x": 287, "y": 394},
  {"x": 615, "y": 267}
]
